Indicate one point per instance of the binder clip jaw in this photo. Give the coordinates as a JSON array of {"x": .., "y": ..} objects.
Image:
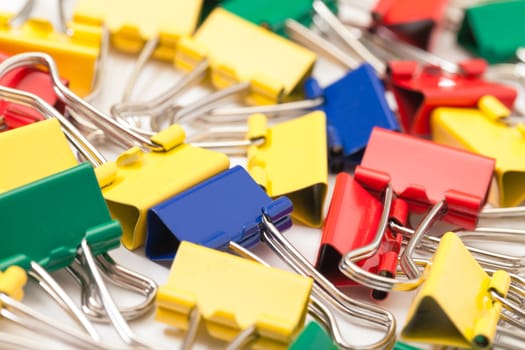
[
  {"x": 131, "y": 27},
  {"x": 490, "y": 30},
  {"x": 353, "y": 105},
  {"x": 276, "y": 317},
  {"x": 467, "y": 302},
  {"x": 418, "y": 90},
  {"x": 412, "y": 21},
  {"x": 423, "y": 186},
  {"x": 234, "y": 63},
  {"x": 232, "y": 191},
  {"x": 351, "y": 223},
  {"x": 82, "y": 45},
  {"x": 474, "y": 130},
  {"x": 273, "y": 15}
]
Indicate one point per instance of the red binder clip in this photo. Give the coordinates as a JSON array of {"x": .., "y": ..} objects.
[
  {"x": 419, "y": 89},
  {"x": 352, "y": 221},
  {"x": 413, "y": 21},
  {"x": 30, "y": 80},
  {"x": 424, "y": 173}
]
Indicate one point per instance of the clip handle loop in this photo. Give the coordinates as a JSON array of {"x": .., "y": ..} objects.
[{"x": 74, "y": 102}]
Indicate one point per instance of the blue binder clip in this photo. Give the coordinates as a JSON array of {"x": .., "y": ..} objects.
[
  {"x": 353, "y": 105},
  {"x": 227, "y": 207}
]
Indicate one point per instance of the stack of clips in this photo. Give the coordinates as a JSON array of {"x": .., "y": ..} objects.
[{"x": 245, "y": 174}]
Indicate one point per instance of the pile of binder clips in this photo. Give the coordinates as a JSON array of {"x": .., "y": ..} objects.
[{"x": 425, "y": 157}]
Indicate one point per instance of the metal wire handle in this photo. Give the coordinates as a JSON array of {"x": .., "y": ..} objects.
[{"x": 75, "y": 103}]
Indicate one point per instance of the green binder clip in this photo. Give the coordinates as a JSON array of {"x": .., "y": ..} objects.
[
  {"x": 273, "y": 14},
  {"x": 494, "y": 30},
  {"x": 114, "y": 273},
  {"x": 313, "y": 337},
  {"x": 66, "y": 219}
]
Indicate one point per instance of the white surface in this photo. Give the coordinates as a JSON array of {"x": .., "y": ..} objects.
[{"x": 156, "y": 78}]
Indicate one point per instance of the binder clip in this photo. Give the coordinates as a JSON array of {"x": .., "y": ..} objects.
[
  {"x": 25, "y": 168},
  {"x": 232, "y": 191},
  {"x": 326, "y": 291},
  {"x": 62, "y": 234},
  {"x": 351, "y": 223},
  {"x": 491, "y": 30},
  {"x": 412, "y": 21},
  {"x": 313, "y": 337},
  {"x": 228, "y": 309},
  {"x": 12, "y": 282},
  {"x": 132, "y": 25},
  {"x": 81, "y": 44},
  {"x": 423, "y": 186},
  {"x": 433, "y": 189},
  {"x": 418, "y": 90},
  {"x": 238, "y": 51},
  {"x": 485, "y": 131},
  {"x": 353, "y": 105},
  {"x": 469, "y": 308},
  {"x": 273, "y": 14},
  {"x": 142, "y": 176},
  {"x": 288, "y": 158},
  {"x": 30, "y": 80}
]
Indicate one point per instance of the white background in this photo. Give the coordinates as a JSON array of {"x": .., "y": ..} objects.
[{"x": 155, "y": 79}]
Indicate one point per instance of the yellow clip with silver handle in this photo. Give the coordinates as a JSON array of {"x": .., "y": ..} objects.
[
  {"x": 245, "y": 294},
  {"x": 240, "y": 51},
  {"x": 292, "y": 162},
  {"x": 132, "y": 24},
  {"x": 76, "y": 52},
  {"x": 486, "y": 131},
  {"x": 455, "y": 306}
]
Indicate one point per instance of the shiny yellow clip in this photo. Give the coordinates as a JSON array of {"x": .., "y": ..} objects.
[
  {"x": 454, "y": 306},
  {"x": 131, "y": 23},
  {"x": 239, "y": 51},
  {"x": 292, "y": 162},
  {"x": 244, "y": 294},
  {"x": 481, "y": 131},
  {"x": 141, "y": 180},
  {"x": 35, "y": 151},
  {"x": 76, "y": 54}
]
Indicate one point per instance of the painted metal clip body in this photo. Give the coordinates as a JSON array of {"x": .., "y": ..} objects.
[
  {"x": 240, "y": 51},
  {"x": 224, "y": 208},
  {"x": 432, "y": 173},
  {"x": 351, "y": 223},
  {"x": 82, "y": 47},
  {"x": 484, "y": 131},
  {"x": 272, "y": 300},
  {"x": 353, "y": 105},
  {"x": 132, "y": 24},
  {"x": 420, "y": 89}
]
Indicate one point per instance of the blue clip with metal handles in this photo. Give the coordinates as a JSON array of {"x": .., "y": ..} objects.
[
  {"x": 353, "y": 105},
  {"x": 227, "y": 207}
]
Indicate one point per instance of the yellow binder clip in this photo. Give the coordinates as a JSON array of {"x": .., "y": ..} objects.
[
  {"x": 25, "y": 162},
  {"x": 287, "y": 159},
  {"x": 292, "y": 162},
  {"x": 149, "y": 172},
  {"x": 75, "y": 52},
  {"x": 133, "y": 24},
  {"x": 239, "y": 51},
  {"x": 272, "y": 301},
  {"x": 460, "y": 304},
  {"x": 485, "y": 131}
]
